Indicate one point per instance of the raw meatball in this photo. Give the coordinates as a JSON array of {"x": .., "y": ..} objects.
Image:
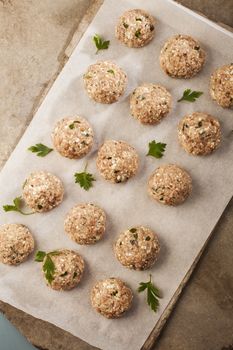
[
  {"x": 105, "y": 82},
  {"x": 221, "y": 85},
  {"x": 42, "y": 191},
  {"x": 111, "y": 297},
  {"x": 170, "y": 184},
  {"x": 69, "y": 267},
  {"x": 199, "y": 133},
  {"x": 73, "y": 137},
  {"x": 135, "y": 28},
  {"x": 137, "y": 248},
  {"x": 182, "y": 57},
  {"x": 85, "y": 223},
  {"x": 16, "y": 243},
  {"x": 117, "y": 161},
  {"x": 149, "y": 103}
]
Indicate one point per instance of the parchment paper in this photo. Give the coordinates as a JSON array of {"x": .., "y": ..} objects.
[{"x": 182, "y": 230}]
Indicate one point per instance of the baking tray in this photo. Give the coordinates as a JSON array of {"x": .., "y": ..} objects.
[{"x": 182, "y": 20}]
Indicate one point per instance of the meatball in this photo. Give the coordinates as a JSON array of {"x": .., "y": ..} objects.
[
  {"x": 68, "y": 269},
  {"x": 221, "y": 86},
  {"x": 135, "y": 28},
  {"x": 42, "y": 191},
  {"x": 199, "y": 133},
  {"x": 85, "y": 223},
  {"x": 170, "y": 184},
  {"x": 182, "y": 57},
  {"x": 73, "y": 137},
  {"x": 117, "y": 161},
  {"x": 137, "y": 248},
  {"x": 111, "y": 297},
  {"x": 105, "y": 82},
  {"x": 149, "y": 103},
  {"x": 16, "y": 243}
]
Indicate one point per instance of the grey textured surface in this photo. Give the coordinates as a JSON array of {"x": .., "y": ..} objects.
[
  {"x": 34, "y": 37},
  {"x": 216, "y": 10},
  {"x": 203, "y": 316}
]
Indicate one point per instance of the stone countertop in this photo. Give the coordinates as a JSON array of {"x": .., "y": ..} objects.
[{"x": 35, "y": 36}]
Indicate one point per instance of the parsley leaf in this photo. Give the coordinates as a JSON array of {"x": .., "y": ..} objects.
[
  {"x": 49, "y": 268},
  {"x": 40, "y": 255},
  {"x": 100, "y": 43},
  {"x": 48, "y": 264},
  {"x": 84, "y": 179},
  {"x": 40, "y": 149},
  {"x": 190, "y": 95},
  {"x": 16, "y": 206},
  {"x": 156, "y": 149},
  {"x": 153, "y": 294}
]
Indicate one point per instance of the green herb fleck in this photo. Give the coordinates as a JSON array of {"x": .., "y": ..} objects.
[
  {"x": 153, "y": 294},
  {"x": 135, "y": 235},
  {"x": 139, "y": 19},
  {"x": 148, "y": 238},
  {"x": 114, "y": 293},
  {"x": 138, "y": 33},
  {"x": 125, "y": 25},
  {"x": 16, "y": 206},
  {"x": 64, "y": 274},
  {"x": 71, "y": 126},
  {"x": 111, "y": 71},
  {"x": 100, "y": 43},
  {"x": 133, "y": 230},
  {"x": 141, "y": 97},
  {"x": 190, "y": 96},
  {"x": 40, "y": 149},
  {"x": 75, "y": 274},
  {"x": 84, "y": 179},
  {"x": 156, "y": 149}
]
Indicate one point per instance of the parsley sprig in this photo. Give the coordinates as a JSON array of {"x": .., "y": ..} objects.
[
  {"x": 190, "y": 96},
  {"x": 40, "y": 149},
  {"x": 100, "y": 43},
  {"x": 153, "y": 294},
  {"x": 84, "y": 179},
  {"x": 16, "y": 206},
  {"x": 156, "y": 149},
  {"x": 48, "y": 264}
]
